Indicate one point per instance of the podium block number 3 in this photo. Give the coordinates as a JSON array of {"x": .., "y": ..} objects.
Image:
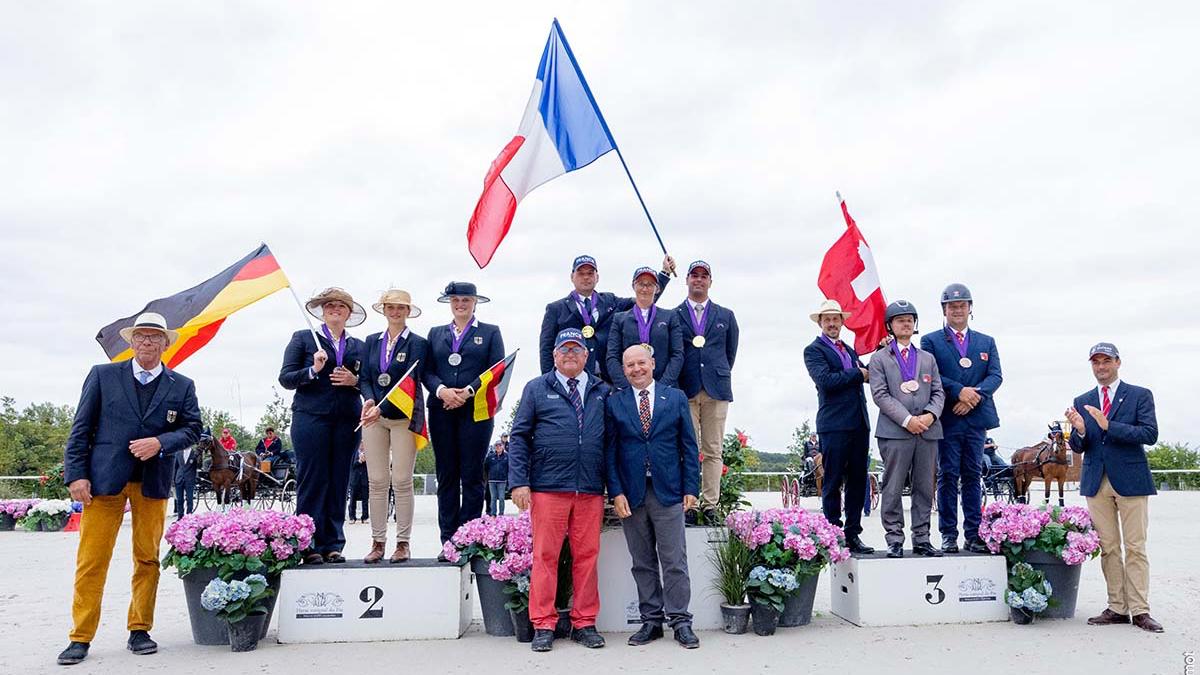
[
  {"x": 935, "y": 595},
  {"x": 373, "y": 595}
]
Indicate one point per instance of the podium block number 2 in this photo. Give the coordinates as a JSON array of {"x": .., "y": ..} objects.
[
  {"x": 935, "y": 595},
  {"x": 372, "y": 595}
]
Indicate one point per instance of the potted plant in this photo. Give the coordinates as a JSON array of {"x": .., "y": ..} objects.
[
  {"x": 12, "y": 510},
  {"x": 793, "y": 540},
  {"x": 48, "y": 515},
  {"x": 517, "y": 590},
  {"x": 732, "y": 561},
  {"x": 1052, "y": 542},
  {"x": 1028, "y": 593},
  {"x": 231, "y": 546},
  {"x": 485, "y": 542},
  {"x": 241, "y": 605},
  {"x": 768, "y": 589}
]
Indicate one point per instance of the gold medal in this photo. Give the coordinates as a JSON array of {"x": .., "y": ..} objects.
[
  {"x": 588, "y": 331},
  {"x": 698, "y": 341},
  {"x": 648, "y": 348}
]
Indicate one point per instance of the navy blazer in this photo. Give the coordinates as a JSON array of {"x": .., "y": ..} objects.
[
  {"x": 185, "y": 471},
  {"x": 408, "y": 351},
  {"x": 841, "y": 402},
  {"x": 564, "y": 313},
  {"x": 318, "y": 395},
  {"x": 666, "y": 338},
  {"x": 983, "y": 374},
  {"x": 480, "y": 350},
  {"x": 1118, "y": 453},
  {"x": 709, "y": 368},
  {"x": 670, "y": 445},
  {"x": 108, "y": 418},
  {"x": 547, "y": 450}
]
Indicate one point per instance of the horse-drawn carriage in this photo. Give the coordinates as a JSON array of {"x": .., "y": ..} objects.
[
  {"x": 809, "y": 480},
  {"x": 239, "y": 479}
]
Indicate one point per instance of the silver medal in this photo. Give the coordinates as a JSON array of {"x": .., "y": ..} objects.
[
  {"x": 964, "y": 362},
  {"x": 384, "y": 379},
  {"x": 455, "y": 359}
]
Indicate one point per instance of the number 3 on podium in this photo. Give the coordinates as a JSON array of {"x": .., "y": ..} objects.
[{"x": 936, "y": 595}]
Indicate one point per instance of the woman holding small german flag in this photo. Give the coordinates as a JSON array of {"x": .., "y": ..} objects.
[{"x": 459, "y": 352}]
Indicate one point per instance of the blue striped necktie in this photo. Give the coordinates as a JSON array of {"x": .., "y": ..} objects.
[{"x": 573, "y": 394}]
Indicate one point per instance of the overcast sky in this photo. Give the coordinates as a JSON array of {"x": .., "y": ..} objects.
[{"x": 1041, "y": 153}]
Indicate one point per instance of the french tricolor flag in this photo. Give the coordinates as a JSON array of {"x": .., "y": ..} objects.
[{"x": 562, "y": 131}]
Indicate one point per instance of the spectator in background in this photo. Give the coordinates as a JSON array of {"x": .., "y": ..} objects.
[
  {"x": 359, "y": 486},
  {"x": 228, "y": 441},
  {"x": 496, "y": 465}
]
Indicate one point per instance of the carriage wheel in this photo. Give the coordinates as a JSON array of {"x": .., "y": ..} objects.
[
  {"x": 207, "y": 498},
  {"x": 264, "y": 500},
  {"x": 1005, "y": 491},
  {"x": 875, "y": 497},
  {"x": 287, "y": 496}
]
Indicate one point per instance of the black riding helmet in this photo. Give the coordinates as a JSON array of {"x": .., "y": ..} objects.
[{"x": 899, "y": 308}]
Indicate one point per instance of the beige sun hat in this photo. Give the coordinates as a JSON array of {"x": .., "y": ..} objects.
[
  {"x": 828, "y": 307},
  {"x": 316, "y": 304},
  {"x": 395, "y": 296},
  {"x": 150, "y": 321}
]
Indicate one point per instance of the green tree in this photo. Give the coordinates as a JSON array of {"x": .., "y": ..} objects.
[
  {"x": 278, "y": 416},
  {"x": 796, "y": 448},
  {"x": 220, "y": 419},
  {"x": 32, "y": 440},
  {"x": 1175, "y": 456}
]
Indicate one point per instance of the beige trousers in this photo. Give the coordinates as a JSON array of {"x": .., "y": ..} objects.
[
  {"x": 1122, "y": 521},
  {"x": 391, "y": 450},
  {"x": 708, "y": 419}
]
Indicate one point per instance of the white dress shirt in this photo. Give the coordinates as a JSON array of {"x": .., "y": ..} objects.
[
  {"x": 581, "y": 378},
  {"x": 154, "y": 372},
  {"x": 637, "y": 397}
]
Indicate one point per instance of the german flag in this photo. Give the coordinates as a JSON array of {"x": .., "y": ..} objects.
[
  {"x": 198, "y": 312},
  {"x": 490, "y": 388},
  {"x": 403, "y": 398}
]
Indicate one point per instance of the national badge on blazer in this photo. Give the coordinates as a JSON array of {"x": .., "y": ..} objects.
[
  {"x": 478, "y": 339},
  {"x": 171, "y": 416},
  {"x": 662, "y": 324},
  {"x": 401, "y": 357},
  {"x": 926, "y": 378},
  {"x": 357, "y": 366},
  {"x": 983, "y": 356}
]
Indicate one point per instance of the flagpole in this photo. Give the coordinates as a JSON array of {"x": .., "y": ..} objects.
[
  {"x": 393, "y": 387},
  {"x": 303, "y": 312},
  {"x": 641, "y": 201}
]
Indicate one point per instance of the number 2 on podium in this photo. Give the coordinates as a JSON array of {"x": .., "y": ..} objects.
[{"x": 372, "y": 594}]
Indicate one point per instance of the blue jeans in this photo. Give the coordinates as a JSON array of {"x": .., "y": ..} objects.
[
  {"x": 185, "y": 493},
  {"x": 960, "y": 458},
  {"x": 495, "y": 504}
]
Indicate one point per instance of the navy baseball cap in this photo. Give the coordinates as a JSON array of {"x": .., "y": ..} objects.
[
  {"x": 569, "y": 335},
  {"x": 1105, "y": 348},
  {"x": 699, "y": 263},
  {"x": 582, "y": 260},
  {"x": 644, "y": 270}
]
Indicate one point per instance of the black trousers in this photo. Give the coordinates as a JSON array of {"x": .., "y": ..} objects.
[
  {"x": 185, "y": 494},
  {"x": 324, "y": 447},
  {"x": 459, "y": 446},
  {"x": 844, "y": 458}
]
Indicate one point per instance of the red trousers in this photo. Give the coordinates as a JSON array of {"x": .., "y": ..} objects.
[{"x": 555, "y": 516}]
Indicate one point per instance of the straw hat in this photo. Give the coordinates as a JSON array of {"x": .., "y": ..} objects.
[
  {"x": 828, "y": 307},
  {"x": 395, "y": 296},
  {"x": 334, "y": 294},
  {"x": 150, "y": 321}
]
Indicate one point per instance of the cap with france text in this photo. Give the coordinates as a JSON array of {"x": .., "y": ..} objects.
[
  {"x": 1105, "y": 348},
  {"x": 569, "y": 335},
  {"x": 644, "y": 270},
  {"x": 699, "y": 263},
  {"x": 582, "y": 260}
]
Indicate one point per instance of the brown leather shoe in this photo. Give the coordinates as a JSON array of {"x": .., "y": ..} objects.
[
  {"x": 1147, "y": 623},
  {"x": 1108, "y": 618},
  {"x": 401, "y": 553},
  {"x": 376, "y": 553}
]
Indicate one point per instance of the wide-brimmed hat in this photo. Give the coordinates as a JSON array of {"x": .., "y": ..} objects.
[
  {"x": 395, "y": 296},
  {"x": 334, "y": 294},
  {"x": 462, "y": 288},
  {"x": 150, "y": 321},
  {"x": 828, "y": 307}
]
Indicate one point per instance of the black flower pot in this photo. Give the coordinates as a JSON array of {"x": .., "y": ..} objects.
[
  {"x": 1064, "y": 582},
  {"x": 7, "y": 522},
  {"x": 496, "y": 618},
  {"x": 207, "y": 627},
  {"x": 737, "y": 618},
  {"x": 797, "y": 609},
  {"x": 522, "y": 625},
  {"x": 245, "y": 634},
  {"x": 766, "y": 618},
  {"x": 1022, "y": 617}
]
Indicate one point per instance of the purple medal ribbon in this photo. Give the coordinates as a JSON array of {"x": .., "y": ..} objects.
[
  {"x": 698, "y": 326},
  {"x": 964, "y": 346},
  {"x": 644, "y": 324},
  {"x": 842, "y": 353},
  {"x": 456, "y": 342},
  {"x": 339, "y": 347},
  {"x": 385, "y": 358},
  {"x": 908, "y": 369},
  {"x": 586, "y": 307}
]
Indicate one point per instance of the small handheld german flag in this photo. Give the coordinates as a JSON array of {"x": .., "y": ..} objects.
[
  {"x": 403, "y": 398},
  {"x": 490, "y": 388}
]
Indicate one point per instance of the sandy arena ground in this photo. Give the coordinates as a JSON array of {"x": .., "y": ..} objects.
[{"x": 36, "y": 571}]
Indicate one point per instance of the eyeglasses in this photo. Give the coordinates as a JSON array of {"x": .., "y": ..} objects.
[
  {"x": 646, "y": 285},
  {"x": 153, "y": 338},
  {"x": 570, "y": 350}
]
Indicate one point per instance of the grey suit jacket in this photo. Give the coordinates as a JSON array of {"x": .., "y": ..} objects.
[{"x": 895, "y": 405}]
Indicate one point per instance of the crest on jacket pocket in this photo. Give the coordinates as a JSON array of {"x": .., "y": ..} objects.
[
  {"x": 926, "y": 378},
  {"x": 478, "y": 339},
  {"x": 357, "y": 366},
  {"x": 171, "y": 415},
  {"x": 983, "y": 356},
  {"x": 401, "y": 357}
]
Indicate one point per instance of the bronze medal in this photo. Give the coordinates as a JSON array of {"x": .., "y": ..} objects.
[
  {"x": 909, "y": 386},
  {"x": 384, "y": 379},
  {"x": 698, "y": 341},
  {"x": 588, "y": 331},
  {"x": 964, "y": 362}
]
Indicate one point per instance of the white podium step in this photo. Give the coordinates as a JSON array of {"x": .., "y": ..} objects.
[
  {"x": 879, "y": 591},
  {"x": 618, "y": 593},
  {"x": 356, "y": 602}
]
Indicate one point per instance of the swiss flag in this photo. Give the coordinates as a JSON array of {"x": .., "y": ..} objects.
[{"x": 848, "y": 275}]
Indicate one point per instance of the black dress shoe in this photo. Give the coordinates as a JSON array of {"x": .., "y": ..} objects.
[
  {"x": 895, "y": 551},
  {"x": 857, "y": 546},
  {"x": 649, "y": 632},
  {"x": 588, "y": 637},
  {"x": 543, "y": 640},
  {"x": 927, "y": 550},
  {"x": 140, "y": 642},
  {"x": 685, "y": 636},
  {"x": 711, "y": 518},
  {"x": 689, "y": 517},
  {"x": 977, "y": 546},
  {"x": 74, "y": 653},
  {"x": 950, "y": 545}
]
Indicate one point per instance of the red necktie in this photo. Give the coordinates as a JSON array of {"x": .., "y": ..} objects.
[
  {"x": 960, "y": 337},
  {"x": 841, "y": 347},
  {"x": 904, "y": 353},
  {"x": 644, "y": 410},
  {"x": 1105, "y": 403}
]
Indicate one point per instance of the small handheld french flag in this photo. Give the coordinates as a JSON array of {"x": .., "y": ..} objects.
[{"x": 562, "y": 131}]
